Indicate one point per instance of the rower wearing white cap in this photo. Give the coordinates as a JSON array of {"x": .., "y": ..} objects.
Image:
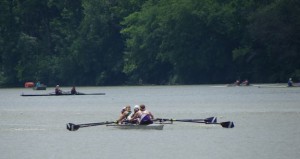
[
  {"x": 58, "y": 91},
  {"x": 144, "y": 116},
  {"x": 133, "y": 119}
]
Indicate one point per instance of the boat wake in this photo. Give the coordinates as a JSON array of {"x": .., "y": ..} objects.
[{"x": 21, "y": 127}]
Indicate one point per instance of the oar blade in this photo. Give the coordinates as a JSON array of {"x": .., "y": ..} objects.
[
  {"x": 72, "y": 127},
  {"x": 228, "y": 124},
  {"x": 211, "y": 120}
]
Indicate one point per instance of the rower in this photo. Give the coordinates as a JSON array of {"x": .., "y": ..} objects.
[
  {"x": 125, "y": 113},
  {"x": 237, "y": 83},
  {"x": 245, "y": 83},
  {"x": 290, "y": 83},
  {"x": 73, "y": 90},
  {"x": 58, "y": 91},
  {"x": 133, "y": 119},
  {"x": 146, "y": 116}
]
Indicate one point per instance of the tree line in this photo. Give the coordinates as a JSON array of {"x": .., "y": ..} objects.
[{"x": 117, "y": 42}]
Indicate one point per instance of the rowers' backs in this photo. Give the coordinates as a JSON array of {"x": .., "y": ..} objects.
[
  {"x": 139, "y": 116},
  {"x": 146, "y": 116}
]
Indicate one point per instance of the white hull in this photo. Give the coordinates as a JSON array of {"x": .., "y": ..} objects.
[{"x": 133, "y": 126}]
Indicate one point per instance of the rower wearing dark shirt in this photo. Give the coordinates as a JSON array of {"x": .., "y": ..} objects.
[
  {"x": 290, "y": 83},
  {"x": 73, "y": 90}
]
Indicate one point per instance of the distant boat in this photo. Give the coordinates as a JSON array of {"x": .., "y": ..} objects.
[
  {"x": 276, "y": 85},
  {"x": 234, "y": 85},
  {"x": 29, "y": 84},
  {"x": 64, "y": 94},
  {"x": 231, "y": 85}
]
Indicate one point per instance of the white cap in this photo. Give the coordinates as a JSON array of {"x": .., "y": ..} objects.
[{"x": 136, "y": 107}]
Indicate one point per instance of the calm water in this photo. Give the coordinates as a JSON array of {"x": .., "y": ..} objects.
[{"x": 266, "y": 119}]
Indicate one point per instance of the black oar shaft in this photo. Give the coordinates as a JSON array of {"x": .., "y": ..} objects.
[
  {"x": 74, "y": 127},
  {"x": 210, "y": 119}
]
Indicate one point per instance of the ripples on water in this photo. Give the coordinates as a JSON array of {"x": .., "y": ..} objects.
[{"x": 266, "y": 122}]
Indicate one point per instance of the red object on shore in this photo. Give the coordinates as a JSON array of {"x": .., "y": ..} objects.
[{"x": 29, "y": 84}]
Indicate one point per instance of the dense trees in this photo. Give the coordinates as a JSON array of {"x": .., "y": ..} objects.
[{"x": 111, "y": 42}]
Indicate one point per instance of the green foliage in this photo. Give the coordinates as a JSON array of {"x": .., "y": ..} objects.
[
  {"x": 274, "y": 32},
  {"x": 189, "y": 38},
  {"x": 97, "y": 49},
  {"x": 28, "y": 60},
  {"x": 112, "y": 42}
]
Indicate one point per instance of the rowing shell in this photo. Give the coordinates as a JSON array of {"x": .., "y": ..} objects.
[
  {"x": 275, "y": 86},
  {"x": 134, "y": 126},
  {"x": 64, "y": 94}
]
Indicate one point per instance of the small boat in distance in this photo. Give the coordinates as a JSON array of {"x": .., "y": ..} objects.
[
  {"x": 29, "y": 84},
  {"x": 63, "y": 94}
]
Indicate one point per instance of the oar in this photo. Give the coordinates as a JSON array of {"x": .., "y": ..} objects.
[
  {"x": 227, "y": 124},
  {"x": 74, "y": 127},
  {"x": 207, "y": 120},
  {"x": 210, "y": 120}
]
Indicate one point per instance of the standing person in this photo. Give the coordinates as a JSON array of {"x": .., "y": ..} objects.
[
  {"x": 290, "y": 83},
  {"x": 73, "y": 90},
  {"x": 58, "y": 91},
  {"x": 125, "y": 113},
  {"x": 144, "y": 116},
  {"x": 38, "y": 84}
]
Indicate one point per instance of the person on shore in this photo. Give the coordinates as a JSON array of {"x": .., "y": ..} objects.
[
  {"x": 290, "y": 83},
  {"x": 58, "y": 91},
  {"x": 125, "y": 113},
  {"x": 73, "y": 90}
]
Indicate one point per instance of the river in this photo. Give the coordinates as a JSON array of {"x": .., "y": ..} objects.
[{"x": 266, "y": 123}]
